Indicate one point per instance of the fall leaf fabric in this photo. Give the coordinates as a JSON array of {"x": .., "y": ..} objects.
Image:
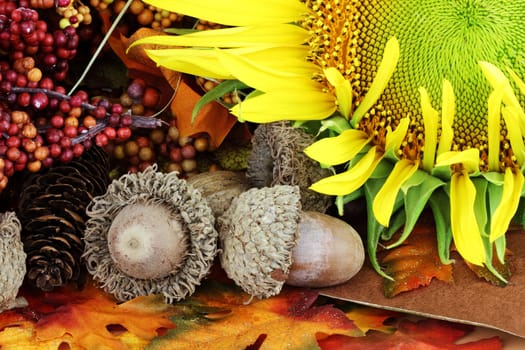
[{"x": 218, "y": 316}]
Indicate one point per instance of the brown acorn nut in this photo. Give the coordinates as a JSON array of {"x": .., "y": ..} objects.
[
  {"x": 219, "y": 188},
  {"x": 12, "y": 262},
  {"x": 268, "y": 241},
  {"x": 150, "y": 233}
]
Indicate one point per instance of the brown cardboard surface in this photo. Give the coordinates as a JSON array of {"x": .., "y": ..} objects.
[{"x": 468, "y": 299}]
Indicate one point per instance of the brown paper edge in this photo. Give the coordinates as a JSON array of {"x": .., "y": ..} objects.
[{"x": 468, "y": 299}]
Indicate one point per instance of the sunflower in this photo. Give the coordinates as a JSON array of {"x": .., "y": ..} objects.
[{"x": 423, "y": 101}]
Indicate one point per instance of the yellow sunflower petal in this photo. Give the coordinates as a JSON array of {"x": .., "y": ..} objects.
[
  {"x": 468, "y": 158},
  {"x": 350, "y": 180},
  {"x": 465, "y": 230},
  {"x": 395, "y": 138},
  {"x": 201, "y": 62},
  {"x": 447, "y": 118},
  {"x": 265, "y": 35},
  {"x": 384, "y": 73},
  {"x": 338, "y": 149},
  {"x": 494, "y": 120},
  {"x": 510, "y": 115},
  {"x": 517, "y": 80},
  {"x": 512, "y": 188},
  {"x": 236, "y": 12},
  {"x": 496, "y": 78},
  {"x": 430, "y": 121},
  {"x": 343, "y": 90},
  {"x": 297, "y": 104},
  {"x": 255, "y": 72},
  {"x": 383, "y": 204}
]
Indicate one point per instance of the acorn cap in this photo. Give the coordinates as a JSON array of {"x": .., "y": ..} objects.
[
  {"x": 258, "y": 233},
  {"x": 277, "y": 158},
  {"x": 151, "y": 189},
  {"x": 12, "y": 260}
]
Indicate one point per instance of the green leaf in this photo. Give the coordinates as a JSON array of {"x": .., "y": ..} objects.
[
  {"x": 216, "y": 93},
  {"x": 480, "y": 207},
  {"x": 340, "y": 201},
  {"x": 382, "y": 170},
  {"x": 501, "y": 247},
  {"x": 418, "y": 189},
  {"x": 337, "y": 124},
  {"x": 440, "y": 204},
  {"x": 494, "y": 178},
  {"x": 375, "y": 229},
  {"x": 396, "y": 222}
]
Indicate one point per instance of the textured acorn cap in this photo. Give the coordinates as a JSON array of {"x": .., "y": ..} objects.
[
  {"x": 151, "y": 188},
  {"x": 258, "y": 233},
  {"x": 12, "y": 261},
  {"x": 277, "y": 158}
]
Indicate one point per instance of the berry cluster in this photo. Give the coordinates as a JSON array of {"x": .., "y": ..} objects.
[
  {"x": 162, "y": 146},
  {"x": 72, "y": 12},
  {"x": 139, "y": 14},
  {"x": 39, "y": 123},
  {"x": 23, "y": 33}
]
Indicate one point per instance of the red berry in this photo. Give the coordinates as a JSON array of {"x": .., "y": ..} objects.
[
  {"x": 39, "y": 101},
  {"x": 188, "y": 151},
  {"x": 66, "y": 155},
  {"x": 57, "y": 121},
  {"x": 13, "y": 154},
  {"x": 78, "y": 149},
  {"x": 176, "y": 155},
  {"x": 13, "y": 141},
  {"x": 55, "y": 150},
  {"x": 101, "y": 140},
  {"x": 70, "y": 131},
  {"x": 110, "y": 132},
  {"x": 123, "y": 133}
]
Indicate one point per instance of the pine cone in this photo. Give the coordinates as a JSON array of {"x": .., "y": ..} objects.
[{"x": 52, "y": 210}]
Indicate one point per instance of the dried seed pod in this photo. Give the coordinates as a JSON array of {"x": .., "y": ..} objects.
[
  {"x": 150, "y": 233},
  {"x": 219, "y": 188},
  {"x": 52, "y": 212},
  {"x": 12, "y": 260},
  {"x": 268, "y": 241},
  {"x": 277, "y": 158}
]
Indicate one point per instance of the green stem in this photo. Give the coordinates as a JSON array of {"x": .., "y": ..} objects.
[{"x": 101, "y": 46}]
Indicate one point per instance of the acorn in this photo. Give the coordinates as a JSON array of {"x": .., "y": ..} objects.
[
  {"x": 219, "y": 188},
  {"x": 150, "y": 233},
  {"x": 12, "y": 262},
  {"x": 277, "y": 158},
  {"x": 267, "y": 241}
]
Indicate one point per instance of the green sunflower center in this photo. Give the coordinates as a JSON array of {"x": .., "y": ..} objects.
[{"x": 439, "y": 39}]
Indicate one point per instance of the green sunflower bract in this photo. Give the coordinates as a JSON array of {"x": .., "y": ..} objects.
[{"x": 431, "y": 94}]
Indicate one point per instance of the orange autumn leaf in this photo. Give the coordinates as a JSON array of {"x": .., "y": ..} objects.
[
  {"x": 135, "y": 58},
  {"x": 220, "y": 317},
  {"x": 422, "y": 335},
  {"x": 415, "y": 263},
  {"x": 213, "y": 119},
  {"x": 87, "y": 319},
  {"x": 367, "y": 318}
]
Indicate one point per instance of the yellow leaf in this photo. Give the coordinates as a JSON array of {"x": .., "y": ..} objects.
[
  {"x": 383, "y": 204},
  {"x": 350, "y": 180},
  {"x": 338, "y": 149},
  {"x": 236, "y": 12},
  {"x": 512, "y": 188},
  {"x": 465, "y": 230}
]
